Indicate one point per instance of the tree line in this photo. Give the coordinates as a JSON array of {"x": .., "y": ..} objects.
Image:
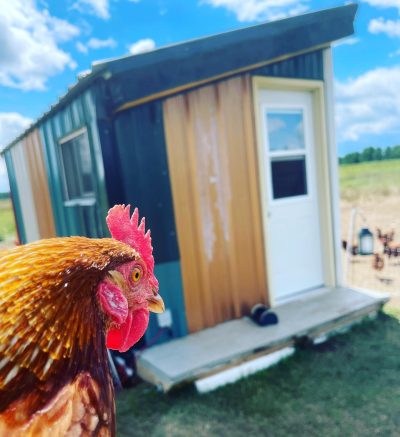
[{"x": 371, "y": 154}]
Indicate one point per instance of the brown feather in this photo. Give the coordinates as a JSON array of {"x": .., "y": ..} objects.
[{"x": 51, "y": 329}]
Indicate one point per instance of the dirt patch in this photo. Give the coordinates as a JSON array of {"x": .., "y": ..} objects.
[{"x": 383, "y": 213}]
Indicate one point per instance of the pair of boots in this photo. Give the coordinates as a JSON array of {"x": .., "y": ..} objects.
[{"x": 263, "y": 316}]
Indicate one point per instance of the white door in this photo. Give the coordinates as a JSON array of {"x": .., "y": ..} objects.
[{"x": 293, "y": 233}]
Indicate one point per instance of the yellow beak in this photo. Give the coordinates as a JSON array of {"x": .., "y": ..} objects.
[{"x": 156, "y": 304}]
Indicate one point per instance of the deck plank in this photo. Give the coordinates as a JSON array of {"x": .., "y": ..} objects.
[{"x": 200, "y": 353}]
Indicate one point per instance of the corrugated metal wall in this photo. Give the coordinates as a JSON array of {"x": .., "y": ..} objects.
[
  {"x": 15, "y": 196},
  {"x": 307, "y": 66},
  {"x": 137, "y": 173},
  {"x": 29, "y": 187},
  {"x": 212, "y": 160},
  {"x": 77, "y": 217}
]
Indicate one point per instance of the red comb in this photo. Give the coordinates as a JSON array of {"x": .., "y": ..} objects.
[{"x": 127, "y": 229}]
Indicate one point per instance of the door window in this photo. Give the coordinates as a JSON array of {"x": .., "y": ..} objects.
[{"x": 287, "y": 153}]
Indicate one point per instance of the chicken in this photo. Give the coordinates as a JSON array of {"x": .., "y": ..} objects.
[
  {"x": 62, "y": 301},
  {"x": 378, "y": 262}
]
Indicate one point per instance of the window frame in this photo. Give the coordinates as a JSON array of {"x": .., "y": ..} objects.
[
  {"x": 276, "y": 154},
  {"x": 82, "y": 195}
]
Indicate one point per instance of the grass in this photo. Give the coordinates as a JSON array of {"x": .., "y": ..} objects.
[
  {"x": 7, "y": 223},
  {"x": 348, "y": 386},
  {"x": 369, "y": 180}
]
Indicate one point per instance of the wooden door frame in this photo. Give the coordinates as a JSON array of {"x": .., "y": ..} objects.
[{"x": 322, "y": 164}]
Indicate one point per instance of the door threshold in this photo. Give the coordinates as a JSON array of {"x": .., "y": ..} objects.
[{"x": 309, "y": 292}]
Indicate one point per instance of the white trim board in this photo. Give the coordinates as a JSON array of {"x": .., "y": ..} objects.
[
  {"x": 333, "y": 154},
  {"x": 244, "y": 370}
]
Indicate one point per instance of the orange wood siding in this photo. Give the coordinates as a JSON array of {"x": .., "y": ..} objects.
[
  {"x": 34, "y": 154},
  {"x": 214, "y": 174}
]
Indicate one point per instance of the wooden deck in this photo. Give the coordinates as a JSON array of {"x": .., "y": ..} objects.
[{"x": 228, "y": 344}]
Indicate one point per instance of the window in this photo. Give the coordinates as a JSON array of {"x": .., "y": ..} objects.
[
  {"x": 287, "y": 153},
  {"x": 77, "y": 165},
  {"x": 289, "y": 177}
]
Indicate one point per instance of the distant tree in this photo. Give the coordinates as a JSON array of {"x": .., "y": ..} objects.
[
  {"x": 378, "y": 155},
  {"x": 371, "y": 154},
  {"x": 396, "y": 152},
  {"x": 352, "y": 158},
  {"x": 387, "y": 153},
  {"x": 367, "y": 154}
]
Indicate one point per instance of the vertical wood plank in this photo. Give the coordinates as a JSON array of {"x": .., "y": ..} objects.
[
  {"x": 23, "y": 179},
  {"x": 175, "y": 119},
  {"x": 213, "y": 169},
  {"x": 254, "y": 187},
  {"x": 39, "y": 184}
]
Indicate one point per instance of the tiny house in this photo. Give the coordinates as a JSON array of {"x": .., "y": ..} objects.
[{"x": 227, "y": 146}]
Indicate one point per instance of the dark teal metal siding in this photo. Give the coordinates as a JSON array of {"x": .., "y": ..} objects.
[
  {"x": 15, "y": 197},
  {"x": 141, "y": 157},
  {"x": 137, "y": 173},
  {"x": 75, "y": 217},
  {"x": 171, "y": 289},
  {"x": 307, "y": 66}
]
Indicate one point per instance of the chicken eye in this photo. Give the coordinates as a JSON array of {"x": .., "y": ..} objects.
[{"x": 136, "y": 274}]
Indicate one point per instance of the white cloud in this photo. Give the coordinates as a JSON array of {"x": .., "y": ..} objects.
[
  {"x": 29, "y": 41},
  {"x": 275, "y": 124},
  {"x": 384, "y": 3},
  {"x": 11, "y": 125},
  {"x": 389, "y": 27},
  {"x": 81, "y": 47},
  {"x": 369, "y": 104},
  {"x": 95, "y": 43},
  {"x": 142, "y": 46},
  {"x": 4, "y": 186},
  {"x": 258, "y": 10},
  {"x": 100, "y": 8}
]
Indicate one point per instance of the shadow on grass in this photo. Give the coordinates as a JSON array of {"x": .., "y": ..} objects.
[{"x": 347, "y": 386}]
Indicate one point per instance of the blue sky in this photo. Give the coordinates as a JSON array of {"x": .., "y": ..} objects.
[{"x": 46, "y": 43}]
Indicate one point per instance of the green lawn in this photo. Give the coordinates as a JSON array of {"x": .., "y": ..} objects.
[
  {"x": 349, "y": 386},
  {"x": 7, "y": 223},
  {"x": 370, "y": 179}
]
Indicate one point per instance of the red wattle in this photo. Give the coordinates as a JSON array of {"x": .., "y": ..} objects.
[{"x": 129, "y": 332}]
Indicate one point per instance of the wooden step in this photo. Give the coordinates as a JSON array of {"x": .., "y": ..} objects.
[{"x": 237, "y": 341}]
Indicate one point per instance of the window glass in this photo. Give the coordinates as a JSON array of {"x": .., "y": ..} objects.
[
  {"x": 285, "y": 130},
  {"x": 77, "y": 164},
  {"x": 72, "y": 185},
  {"x": 288, "y": 176},
  {"x": 83, "y": 149}
]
